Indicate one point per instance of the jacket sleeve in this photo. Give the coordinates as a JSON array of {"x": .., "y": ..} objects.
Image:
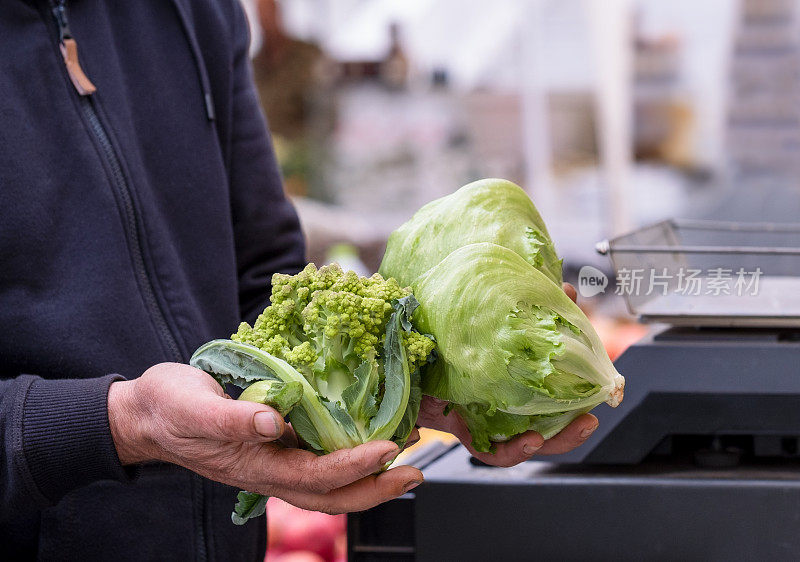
[
  {"x": 267, "y": 231},
  {"x": 56, "y": 438}
]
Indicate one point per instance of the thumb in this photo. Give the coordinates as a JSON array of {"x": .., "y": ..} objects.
[{"x": 240, "y": 420}]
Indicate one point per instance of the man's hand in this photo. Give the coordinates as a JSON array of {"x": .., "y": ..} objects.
[
  {"x": 519, "y": 449},
  {"x": 176, "y": 413},
  {"x": 522, "y": 447}
]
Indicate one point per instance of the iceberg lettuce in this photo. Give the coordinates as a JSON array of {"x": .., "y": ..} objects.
[{"x": 514, "y": 352}]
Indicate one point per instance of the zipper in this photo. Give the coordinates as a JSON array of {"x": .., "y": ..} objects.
[
  {"x": 131, "y": 225},
  {"x": 198, "y": 493},
  {"x": 85, "y": 89}
]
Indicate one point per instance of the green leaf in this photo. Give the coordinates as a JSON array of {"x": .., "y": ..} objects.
[
  {"x": 227, "y": 366},
  {"x": 397, "y": 382},
  {"x": 248, "y": 505},
  {"x": 283, "y": 396},
  {"x": 412, "y": 412},
  {"x": 486, "y": 428},
  {"x": 548, "y": 425},
  {"x": 304, "y": 428},
  {"x": 244, "y": 362},
  {"x": 405, "y": 308},
  {"x": 344, "y": 420},
  {"x": 359, "y": 397},
  {"x": 408, "y": 305}
]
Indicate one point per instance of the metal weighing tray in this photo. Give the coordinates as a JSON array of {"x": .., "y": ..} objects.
[{"x": 710, "y": 273}]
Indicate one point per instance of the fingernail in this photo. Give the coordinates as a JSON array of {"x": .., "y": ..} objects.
[
  {"x": 411, "y": 485},
  {"x": 588, "y": 431},
  {"x": 529, "y": 449},
  {"x": 267, "y": 424},
  {"x": 389, "y": 457}
]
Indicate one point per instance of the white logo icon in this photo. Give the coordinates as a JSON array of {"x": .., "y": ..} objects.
[{"x": 591, "y": 281}]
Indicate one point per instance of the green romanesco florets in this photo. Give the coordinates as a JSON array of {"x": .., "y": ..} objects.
[
  {"x": 328, "y": 316},
  {"x": 418, "y": 349}
]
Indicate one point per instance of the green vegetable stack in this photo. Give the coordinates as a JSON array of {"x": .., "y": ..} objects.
[
  {"x": 515, "y": 353},
  {"x": 336, "y": 353}
]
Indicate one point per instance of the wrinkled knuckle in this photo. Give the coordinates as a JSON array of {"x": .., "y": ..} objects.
[
  {"x": 355, "y": 461},
  {"x": 320, "y": 484},
  {"x": 292, "y": 479},
  {"x": 227, "y": 473},
  {"x": 151, "y": 372},
  {"x": 366, "y": 462},
  {"x": 338, "y": 465},
  {"x": 230, "y": 464},
  {"x": 224, "y": 422},
  {"x": 314, "y": 481},
  {"x": 236, "y": 464},
  {"x": 159, "y": 370}
]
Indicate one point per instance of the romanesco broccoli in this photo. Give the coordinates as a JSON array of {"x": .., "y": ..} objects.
[
  {"x": 344, "y": 344},
  {"x": 326, "y": 322}
]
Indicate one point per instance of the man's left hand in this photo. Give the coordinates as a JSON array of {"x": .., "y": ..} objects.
[{"x": 517, "y": 450}]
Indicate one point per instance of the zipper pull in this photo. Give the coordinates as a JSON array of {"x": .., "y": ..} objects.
[{"x": 69, "y": 50}]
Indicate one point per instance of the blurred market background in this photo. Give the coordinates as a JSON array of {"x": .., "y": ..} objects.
[{"x": 610, "y": 113}]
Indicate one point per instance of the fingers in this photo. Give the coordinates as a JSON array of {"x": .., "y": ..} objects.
[
  {"x": 304, "y": 471},
  {"x": 431, "y": 414},
  {"x": 289, "y": 438},
  {"x": 571, "y": 436},
  {"x": 571, "y": 292},
  {"x": 512, "y": 452},
  {"x": 413, "y": 438},
  {"x": 360, "y": 495},
  {"x": 237, "y": 420},
  {"x": 524, "y": 446}
]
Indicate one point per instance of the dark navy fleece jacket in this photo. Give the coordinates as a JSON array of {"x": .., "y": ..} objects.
[{"x": 135, "y": 224}]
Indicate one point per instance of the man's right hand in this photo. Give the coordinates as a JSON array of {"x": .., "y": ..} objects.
[{"x": 176, "y": 413}]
